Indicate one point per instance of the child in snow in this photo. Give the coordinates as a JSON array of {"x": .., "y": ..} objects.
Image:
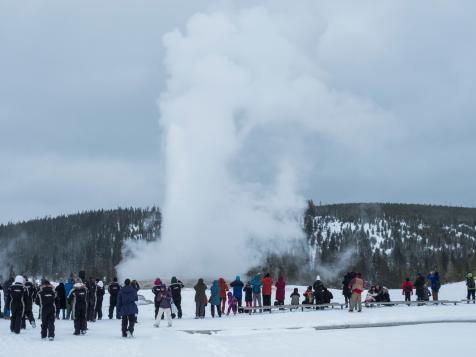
[
  {"x": 295, "y": 296},
  {"x": 232, "y": 304},
  {"x": 471, "y": 287},
  {"x": 248, "y": 295},
  {"x": 165, "y": 306},
  {"x": 407, "y": 289},
  {"x": 308, "y": 296}
]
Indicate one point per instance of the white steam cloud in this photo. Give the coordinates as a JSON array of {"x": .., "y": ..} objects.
[{"x": 245, "y": 93}]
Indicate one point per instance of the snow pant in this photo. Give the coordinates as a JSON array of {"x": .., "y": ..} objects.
[
  {"x": 471, "y": 294},
  {"x": 91, "y": 311},
  {"x": 17, "y": 311},
  {"x": 128, "y": 322},
  {"x": 212, "y": 309},
  {"x": 223, "y": 304},
  {"x": 408, "y": 296},
  {"x": 98, "y": 312},
  {"x": 233, "y": 308},
  {"x": 112, "y": 305},
  {"x": 240, "y": 302},
  {"x": 355, "y": 302},
  {"x": 157, "y": 306},
  {"x": 420, "y": 294},
  {"x": 58, "y": 313},
  {"x": 199, "y": 309},
  {"x": 48, "y": 323},
  {"x": 434, "y": 294},
  {"x": 167, "y": 312},
  {"x": 69, "y": 308},
  {"x": 80, "y": 323},
  {"x": 28, "y": 313},
  {"x": 267, "y": 301},
  {"x": 178, "y": 305},
  {"x": 257, "y": 300},
  {"x": 249, "y": 303},
  {"x": 6, "y": 310}
]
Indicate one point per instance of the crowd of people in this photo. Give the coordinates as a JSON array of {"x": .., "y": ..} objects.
[{"x": 82, "y": 301}]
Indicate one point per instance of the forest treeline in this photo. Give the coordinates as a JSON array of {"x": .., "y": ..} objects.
[
  {"x": 64, "y": 245},
  {"x": 385, "y": 242}
]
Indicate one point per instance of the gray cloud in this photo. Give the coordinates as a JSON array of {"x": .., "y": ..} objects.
[{"x": 78, "y": 102}]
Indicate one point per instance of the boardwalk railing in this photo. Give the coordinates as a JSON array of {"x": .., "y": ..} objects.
[{"x": 333, "y": 305}]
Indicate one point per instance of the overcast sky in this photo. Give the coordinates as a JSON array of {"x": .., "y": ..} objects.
[{"x": 80, "y": 81}]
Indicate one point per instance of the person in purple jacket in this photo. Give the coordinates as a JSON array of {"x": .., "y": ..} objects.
[{"x": 164, "y": 300}]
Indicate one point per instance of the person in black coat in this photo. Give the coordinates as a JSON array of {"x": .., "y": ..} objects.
[
  {"x": 326, "y": 296},
  {"x": 346, "y": 289},
  {"x": 99, "y": 298},
  {"x": 419, "y": 285},
  {"x": 91, "y": 312},
  {"x": 78, "y": 298},
  {"x": 60, "y": 299},
  {"x": 31, "y": 295},
  {"x": 46, "y": 298},
  {"x": 17, "y": 295},
  {"x": 113, "y": 290},
  {"x": 127, "y": 307},
  {"x": 318, "y": 291},
  {"x": 176, "y": 287},
  {"x": 248, "y": 294},
  {"x": 6, "y": 287}
]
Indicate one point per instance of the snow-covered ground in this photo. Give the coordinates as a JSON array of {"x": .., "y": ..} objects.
[{"x": 279, "y": 333}]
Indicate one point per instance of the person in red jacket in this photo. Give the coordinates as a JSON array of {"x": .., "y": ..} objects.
[
  {"x": 267, "y": 282},
  {"x": 280, "y": 290},
  {"x": 407, "y": 289},
  {"x": 223, "y": 289}
]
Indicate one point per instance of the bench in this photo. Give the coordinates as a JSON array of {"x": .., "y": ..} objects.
[
  {"x": 332, "y": 305},
  {"x": 269, "y": 309}
]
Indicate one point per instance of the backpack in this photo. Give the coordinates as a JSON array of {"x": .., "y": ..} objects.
[
  {"x": 408, "y": 289},
  {"x": 471, "y": 284}
]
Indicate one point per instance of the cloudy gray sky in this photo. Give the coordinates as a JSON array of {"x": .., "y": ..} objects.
[{"x": 79, "y": 120}]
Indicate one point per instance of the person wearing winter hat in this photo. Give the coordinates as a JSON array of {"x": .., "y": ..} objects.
[
  {"x": 113, "y": 290},
  {"x": 78, "y": 298},
  {"x": 471, "y": 287},
  {"x": 46, "y": 299},
  {"x": 267, "y": 283},
  {"x": 99, "y": 299},
  {"x": 237, "y": 286},
  {"x": 232, "y": 304},
  {"x": 127, "y": 308},
  {"x": 17, "y": 295},
  {"x": 28, "y": 309},
  {"x": 280, "y": 290},
  {"x": 156, "y": 292},
  {"x": 176, "y": 287},
  {"x": 215, "y": 299},
  {"x": 165, "y": 306}
]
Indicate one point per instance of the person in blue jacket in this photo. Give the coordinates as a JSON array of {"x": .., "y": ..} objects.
[
  {"x": 215, "y": 298},
  {"x": 68, "y": 286},
  {"x": 434, "y": 279},
  {"x": 127, "y": 307},
  {"x": 256, "y": 287},
  {"x": 237, "y": 286}
]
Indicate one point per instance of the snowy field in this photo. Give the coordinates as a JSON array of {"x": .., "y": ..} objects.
[{"x": 278, "y": 334}]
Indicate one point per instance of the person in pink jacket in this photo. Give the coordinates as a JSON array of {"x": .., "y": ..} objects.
[{"x": 280, "y": 290}]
